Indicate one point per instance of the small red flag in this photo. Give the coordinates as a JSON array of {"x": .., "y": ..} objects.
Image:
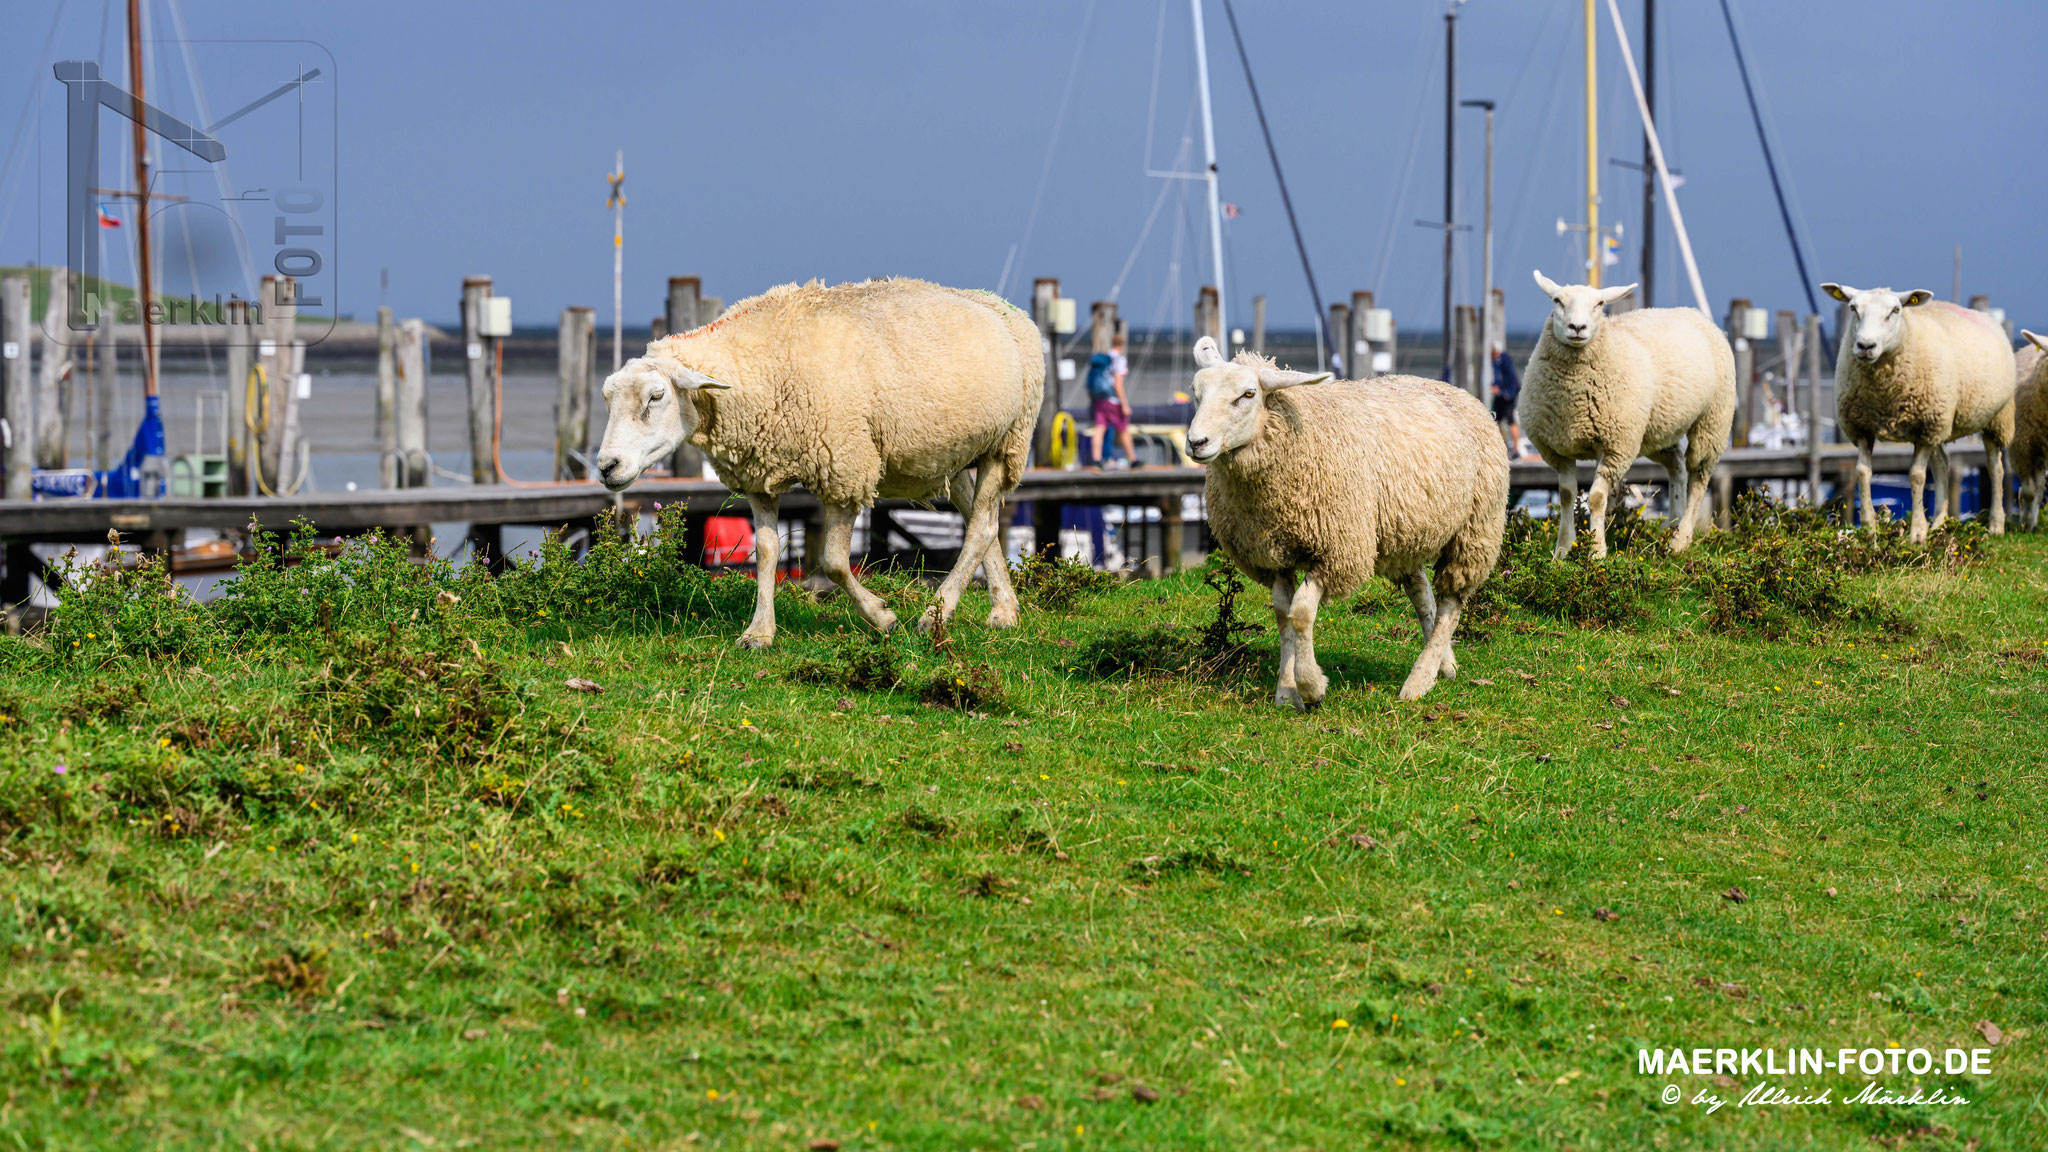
[
  {"x": 1230, "y": 211},
  {"x": 107, "y": 221}
]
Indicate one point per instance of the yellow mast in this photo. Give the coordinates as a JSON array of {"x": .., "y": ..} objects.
[{"x": 1592, "y": 160}]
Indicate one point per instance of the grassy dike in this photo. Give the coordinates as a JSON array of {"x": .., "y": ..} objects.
[{"x": 344, "y": 860}]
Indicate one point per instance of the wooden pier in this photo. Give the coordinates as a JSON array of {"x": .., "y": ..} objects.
[{"x": 159, "y": 525}]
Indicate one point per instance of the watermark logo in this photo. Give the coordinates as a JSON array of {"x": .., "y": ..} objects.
[
  {"x": 1791, "y": 1077},
  {"x": 228, "y": 200}
]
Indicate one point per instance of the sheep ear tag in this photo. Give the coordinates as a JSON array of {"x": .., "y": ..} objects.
[
  {"x": 690, "y": 378},
  {"x": 1207, "y": 355},
  {"x": 2036, "y": 339},
  {"x": 1838, "y": 291},
  {"x": 1917, "y": 297}
]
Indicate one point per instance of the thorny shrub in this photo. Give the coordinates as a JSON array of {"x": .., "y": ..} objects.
[{"x": 1058, "y": 584}]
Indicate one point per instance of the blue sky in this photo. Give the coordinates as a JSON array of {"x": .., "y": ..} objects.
[{"x": 774, "y": 140}]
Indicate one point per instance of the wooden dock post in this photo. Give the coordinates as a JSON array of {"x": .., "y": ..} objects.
[
  {"x": 280, "y": 392},
  {"x": 685, "y": 298},
  {"x": 1465, "y": 357},
  {"x": 483, "y": 401},
  {"x": 18, "y": 411},
  {"x": 1259, "y": 324},
  {"x": 387, "y": 399},
  {"x": 1101, "y": 325},
  {"x": 101, "y": 427},
  {"x": 1745, "y": 369},
  {"x": 575, "y": 355},
  {"x": 411, "y": 389},
  {"x": 238, "y": 350},
  {"x": 1340, "y": 340},
  {"x": 1813, "y": 413},
  {"x": 54, "y": 374},
  {"x": 1205, "y": 314}
]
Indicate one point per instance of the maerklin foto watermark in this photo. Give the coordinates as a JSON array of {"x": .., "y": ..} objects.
[{"x": 1891, "y": 1075}]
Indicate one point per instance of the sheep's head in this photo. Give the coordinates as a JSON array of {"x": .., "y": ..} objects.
[
  {"x": 1230, "y": 398},
  {"x": 649, "y": 417},
  {"x": 1877, "y": 317},
  {"x": 1576, "y": 310}
]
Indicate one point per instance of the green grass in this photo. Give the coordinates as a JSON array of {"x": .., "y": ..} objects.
[{"x": 391, "y": 884}]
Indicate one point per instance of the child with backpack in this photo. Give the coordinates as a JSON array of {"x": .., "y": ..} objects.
[{"x": 1108, "y": 403}]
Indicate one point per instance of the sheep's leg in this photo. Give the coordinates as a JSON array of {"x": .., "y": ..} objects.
[
  {"x": 1994, "y": 474},
  {"x": 1309, "y": 681},
  {"x": 1605, "y": 482},
  {"x": 767, "y": 545},
  {"x": 838, "y": 563},
  {"x": 1568, "y": 501},
  {"x": 1285, "y": 691},
  {"x": 1944, "y": 475},
  {"x": 1416, "y": 584},
  {"x": 1916, "y": 530},
  {"x": 1863, "y": 504},
  {"x": 1422, "y": 677},
  {"x": 1677, "y": 498},
  {"x": 1002, "y": 611},
  {"x": 981, "y": 530},
  {"x": 2030, "y": 501}
]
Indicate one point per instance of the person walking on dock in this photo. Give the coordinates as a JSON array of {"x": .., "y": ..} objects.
[
  {"x": 1109, "y": 403},
  {"x": 1506, "y": 387}
]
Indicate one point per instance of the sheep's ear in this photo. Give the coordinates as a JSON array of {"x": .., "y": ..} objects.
[
  {"x": 1916, "y": 297},
  {"x": 1271, "y": 378},
  {"x": 2037, "y": 341},
  {"x": 691, "y": 378},
  {"x": 1838, "y": 292},
  {"x": 1550, "y": 287},
  {"x": 1610, "y": 295},
  {"x": 1207, "y": 355}
]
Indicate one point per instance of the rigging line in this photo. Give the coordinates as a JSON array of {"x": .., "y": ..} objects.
[
  {"x": 1763, "y": 100},
  {"x": 1165, "y": 187},
  {"x": 1152, "y": 101},
  {"x": 222, "y": 182},
  {"x": 1386, "y": 251},
  {"x": 1286, "y": 201},
  {"x": 1518, "y": 230},
  {"x": 1059, "y": 123},
  {"x": 29, "y": 105},
  {"x": 1771, "y": 165}
]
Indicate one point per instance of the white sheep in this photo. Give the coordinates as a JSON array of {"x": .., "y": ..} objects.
[
  {"x": 1923, "y": 371},
  {"x": 885, "y": 388},
  {"x": 2030, "y": 426},
  {"x": 1342, "y": 481},
  {"x": 1656, "y": 382}
]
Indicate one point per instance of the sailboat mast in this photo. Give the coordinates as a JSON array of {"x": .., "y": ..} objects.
[
  {"x": 1209, "y": 154},
  {"x": 141, "y": 197},
  {"x": 1592, "y": 157}
]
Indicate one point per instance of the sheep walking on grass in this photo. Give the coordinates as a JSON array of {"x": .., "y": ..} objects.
[
  {"x": 1656, "y": 382},
  {"x": 886, "y": 388},
  {"x": 2030, "y": 426},
  {"x": 1313, "y": 490},
  {"x": 1924, "y": 372}
]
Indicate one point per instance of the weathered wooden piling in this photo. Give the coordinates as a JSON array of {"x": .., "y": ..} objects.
[
  {"x": 235, "y": 321},
  {"x": 1205, "y": 314},
  {"x": 387, "y": 399},
  {"x": 685, "y": 300},
  {"x": 279, "y": 394},
  {"x": 1259, "y": 324},
  {"x": 1340, "y": 340},
  {"x": 17, "y": 407},
  {"x": 410, "y": 384},
  {"x": 109, "y": 357},
  {"x": 483, "y": 400},
  {"x": 1745, "y": 369},
  {"x": 54, "y": 375},
  {"x": 1102, "y": 325},
  {"x": 1045, "y": 515},
  {"x": 575, "y": 356}
]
